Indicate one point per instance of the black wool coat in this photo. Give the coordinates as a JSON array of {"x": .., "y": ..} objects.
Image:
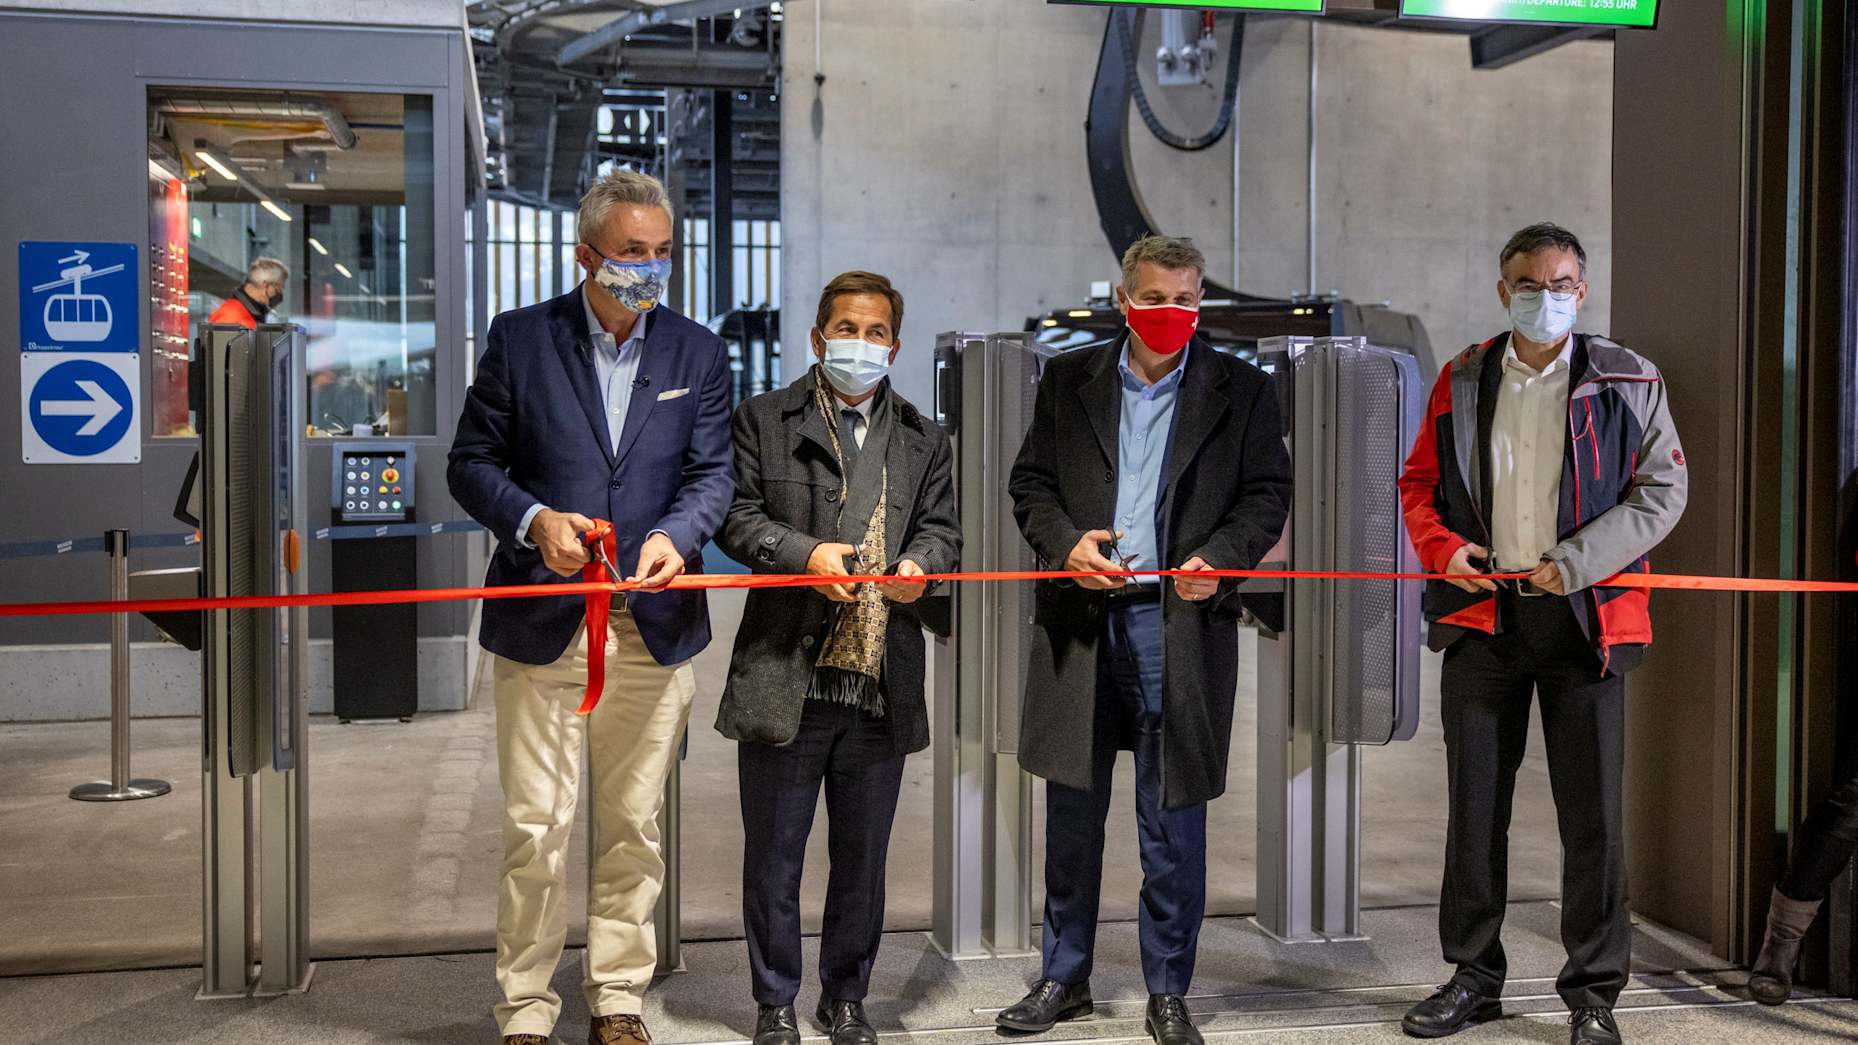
[
  {"x": 1224, "y": 497},
  {"x": 786, "y": 504}
]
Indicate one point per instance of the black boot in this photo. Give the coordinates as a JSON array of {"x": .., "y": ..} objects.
[
  {"x": 1771, "y": 979},
  {"x": 1451, "y": 1009},
  {"x": 776, "y": 1025},
  {"x": 1047, "y": 1003}
]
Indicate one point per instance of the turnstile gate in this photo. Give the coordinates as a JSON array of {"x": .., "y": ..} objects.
[
  {"x": 1337, "y": 666},
  {"x": 254, "y": 665},
  {"x": 1343, "y": 671}
]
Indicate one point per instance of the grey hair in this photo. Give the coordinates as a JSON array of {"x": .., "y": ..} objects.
[
  {"x": 1169, "y": 252},
  {"x": 1543, "y": 235},
  {"x": 621, "y": 186},
  {"x": 267, "y": 272}
]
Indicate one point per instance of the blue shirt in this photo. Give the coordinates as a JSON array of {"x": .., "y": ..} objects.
[
  {"x": 1141, "y": 445},
  {"x": 616, "y": 366}
]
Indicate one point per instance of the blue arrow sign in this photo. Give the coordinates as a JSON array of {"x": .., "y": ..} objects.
[{"x": 81, "y": 408}]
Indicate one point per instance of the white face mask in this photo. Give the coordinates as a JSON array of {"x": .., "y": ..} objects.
[
  {"x": 854, "y": 365},
  {"x": 1543, "y": 316}
]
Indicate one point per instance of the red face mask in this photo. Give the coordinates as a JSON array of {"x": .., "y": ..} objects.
[{"x": 1163, "y": 328}]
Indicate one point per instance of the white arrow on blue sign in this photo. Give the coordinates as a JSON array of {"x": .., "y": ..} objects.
[{"x": 80, "y": 408}]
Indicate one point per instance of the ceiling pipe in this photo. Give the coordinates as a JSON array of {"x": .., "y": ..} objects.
[{"x": 262, "y": 107}]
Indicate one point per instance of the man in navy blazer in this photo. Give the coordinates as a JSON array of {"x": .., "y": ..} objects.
[{"x": 599, "y": 404}]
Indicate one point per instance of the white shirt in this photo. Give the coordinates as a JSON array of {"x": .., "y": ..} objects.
[
  {"x": 1527, "y": 439},
  {"x": 862, "y": 426}
]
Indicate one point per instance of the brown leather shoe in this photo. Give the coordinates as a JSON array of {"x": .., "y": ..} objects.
[
  {"x": 524, "y": 1039},
  {"x": 618, "y": 1030}
]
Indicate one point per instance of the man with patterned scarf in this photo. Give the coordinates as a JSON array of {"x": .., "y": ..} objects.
[{"x": 837, "y": 475}]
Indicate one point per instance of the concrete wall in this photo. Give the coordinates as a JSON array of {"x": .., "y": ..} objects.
[
  {"x": 946, "y": 148},
  {"x": 1425, "y": 167}
]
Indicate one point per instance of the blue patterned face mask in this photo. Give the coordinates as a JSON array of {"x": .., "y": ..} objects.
[{"x": 638, "y": 285}]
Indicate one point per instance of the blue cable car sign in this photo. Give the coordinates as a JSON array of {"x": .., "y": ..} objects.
[
  {"x": 77, "y": 297},
  {"x": 79, "y": 363}
]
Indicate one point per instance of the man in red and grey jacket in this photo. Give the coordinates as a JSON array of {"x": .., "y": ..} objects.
[{"x": 1552, "y": 454}]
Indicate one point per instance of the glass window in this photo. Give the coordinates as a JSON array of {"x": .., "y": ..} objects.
[{"x": 337, "y": 189}]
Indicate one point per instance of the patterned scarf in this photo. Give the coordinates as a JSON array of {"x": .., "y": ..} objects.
[{"x": 851, "y": 663}]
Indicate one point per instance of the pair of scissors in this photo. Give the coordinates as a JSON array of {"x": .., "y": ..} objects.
[
  {"x": 597, "y": 545},
  {"x": 1115, "y": 552}
]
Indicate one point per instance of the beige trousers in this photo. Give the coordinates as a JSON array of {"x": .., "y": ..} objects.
[{"x": 632, "y": 738}]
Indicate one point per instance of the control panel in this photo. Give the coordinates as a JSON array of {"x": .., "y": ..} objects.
[{"x": 371, "y": 481}]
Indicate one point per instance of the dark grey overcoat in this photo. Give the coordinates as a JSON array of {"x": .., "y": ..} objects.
[
  {"x": 1224, "y": 497},
  {"x": 786, "y": 504}
]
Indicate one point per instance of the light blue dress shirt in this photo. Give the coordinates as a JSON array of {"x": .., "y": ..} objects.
[
  {"x": 616, "y": 367},
  {"x": 1141, "y": 446}
]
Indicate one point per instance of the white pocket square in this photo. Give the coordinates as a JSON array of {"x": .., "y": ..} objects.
[{"x": 673, "y": 394}]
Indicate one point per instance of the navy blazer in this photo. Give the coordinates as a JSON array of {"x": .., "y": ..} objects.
[{"x": 534, "y": 431}]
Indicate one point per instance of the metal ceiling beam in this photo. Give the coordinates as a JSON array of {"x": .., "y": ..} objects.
[
  {"x": 619, "y": 28},
  {"x": 717, "y": 68}
]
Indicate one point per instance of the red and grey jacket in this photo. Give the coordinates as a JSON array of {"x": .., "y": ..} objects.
[{"x": 1623, "y": 487}]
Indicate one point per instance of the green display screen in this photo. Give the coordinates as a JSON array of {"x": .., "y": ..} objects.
[
  {"x": 1307, "y": 7},
  {"x": 1642, "y": 14}
]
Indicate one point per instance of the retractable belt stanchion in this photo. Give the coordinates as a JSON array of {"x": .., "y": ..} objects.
[{"x": 119, "y": 788}]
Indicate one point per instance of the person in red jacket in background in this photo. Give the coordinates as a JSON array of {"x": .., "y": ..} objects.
[{"x": 262, "y": 291}]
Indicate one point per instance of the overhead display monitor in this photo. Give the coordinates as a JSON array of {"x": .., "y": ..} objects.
[
  {"x": 1627, "y": 14},
  {"x": 1306, "y": 7}
]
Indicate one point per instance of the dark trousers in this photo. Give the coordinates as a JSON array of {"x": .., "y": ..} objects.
[
  {"x": 1825, "y": 843},
  {"x": 1173, "y": 841},
  {"x": 1485, "y": 702},
  {"x": 853, "y": 754}
]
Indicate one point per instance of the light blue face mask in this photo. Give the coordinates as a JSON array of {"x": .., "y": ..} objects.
[
  {"x": 1543, "y": 316},
  {"x": 854, "y": 365},
  {"x": 638, "y": 285}
]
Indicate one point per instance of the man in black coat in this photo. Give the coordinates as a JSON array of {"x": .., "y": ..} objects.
[
  {"x": 1153, "y": 452},
  {"x": 839, "y": 474}
]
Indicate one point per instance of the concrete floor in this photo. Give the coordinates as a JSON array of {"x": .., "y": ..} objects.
[
  {"x": 404, "y": 836},
  {"x": 1247, "y": 987}
]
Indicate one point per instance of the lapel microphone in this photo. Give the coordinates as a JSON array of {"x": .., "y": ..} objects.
[
  {"x": 586, "y": 356},
  {"x": 642, "y": 381}
]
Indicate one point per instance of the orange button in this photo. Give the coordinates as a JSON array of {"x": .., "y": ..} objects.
[{"x": 390, "y": 474}]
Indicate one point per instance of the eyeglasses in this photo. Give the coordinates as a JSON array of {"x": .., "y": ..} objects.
[{"x": 1561, "y": 288}]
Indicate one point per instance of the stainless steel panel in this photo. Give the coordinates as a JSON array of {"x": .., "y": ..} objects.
[
  {"x": 960, "y": 771},
  {"x": 1374, "y": 690}
]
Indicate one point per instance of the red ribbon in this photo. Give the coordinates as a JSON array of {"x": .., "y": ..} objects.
[
  {"x": 602, "y": 551},
  {"x": 708, "y": 581},
  {"x": 600, "y": 582}
]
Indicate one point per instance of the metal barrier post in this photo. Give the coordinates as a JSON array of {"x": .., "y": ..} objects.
[
  {"x": 119, "y": 788},
  {"x": 667, "y": 921}
]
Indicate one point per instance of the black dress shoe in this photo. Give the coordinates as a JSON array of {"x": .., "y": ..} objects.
[
  {"x": 1449, "y": 1011},
  {"x": 776, "y": 1025},
  {"x": 845, "y": 1023},
  {"x": 1168, "y": 1022},
  {"x": 1045, "y": 1005},
  {"x": 1592, "y": 1026}
]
